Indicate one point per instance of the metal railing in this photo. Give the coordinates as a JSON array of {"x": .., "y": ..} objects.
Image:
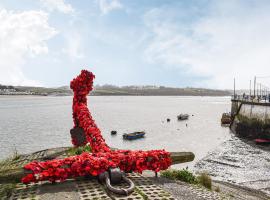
[
  {"x": 260, "y": 93},
  {"x": 252, "y": 98}
]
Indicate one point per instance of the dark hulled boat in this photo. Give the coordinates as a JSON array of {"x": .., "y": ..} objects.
[
  {"x": 134, "y": 135},
  {"x": 182, "y": 116}
]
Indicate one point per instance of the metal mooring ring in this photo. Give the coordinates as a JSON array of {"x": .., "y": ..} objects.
[{"x": 121, "y": 191}]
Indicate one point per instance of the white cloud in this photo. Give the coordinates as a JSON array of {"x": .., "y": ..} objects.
[
  {"x": 74, "y": 47},
  {"x": 22, "y": 35},
  {"x": 58, "y": 5},
  {"x": 232, "y": 40},
  {"x": 107, "y": 6}
]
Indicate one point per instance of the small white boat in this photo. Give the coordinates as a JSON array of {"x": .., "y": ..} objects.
[{"x": 183, "y": 117}]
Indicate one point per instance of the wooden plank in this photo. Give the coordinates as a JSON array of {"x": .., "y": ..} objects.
[{"x": 182, "y": 157}]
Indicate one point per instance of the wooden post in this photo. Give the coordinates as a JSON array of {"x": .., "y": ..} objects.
[{"x": 181, "y": 157}]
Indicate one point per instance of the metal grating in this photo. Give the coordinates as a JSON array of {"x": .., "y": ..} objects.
[
  {"x": 204, "y": 193},
  {"x": 145, "y": 189},
  {"x": 87, "y": 189},
  {"x": 148, "y": 188},
  {"x": 25, "y": 192},
  {"x": 91, "y": 190}
]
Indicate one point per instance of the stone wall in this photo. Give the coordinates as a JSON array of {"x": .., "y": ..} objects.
[
  {"x": 259, "y": 112},
  {"x": 252, "y": 119}
]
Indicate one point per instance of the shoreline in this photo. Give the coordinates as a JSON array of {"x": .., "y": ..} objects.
[{"x": 109, "y": 95}]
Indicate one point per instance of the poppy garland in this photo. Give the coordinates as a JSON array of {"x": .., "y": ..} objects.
[{"x": 102, "y": 157}]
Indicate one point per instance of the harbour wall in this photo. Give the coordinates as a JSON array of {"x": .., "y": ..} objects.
[{"x": 251, "y": 119}]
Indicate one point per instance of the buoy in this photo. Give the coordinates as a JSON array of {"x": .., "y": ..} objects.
[
  {"x": 113, "y": 132},
  {"x": 168, "y": 120}
]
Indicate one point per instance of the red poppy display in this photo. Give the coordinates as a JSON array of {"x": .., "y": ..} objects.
[{"x": 102, "y": 157}]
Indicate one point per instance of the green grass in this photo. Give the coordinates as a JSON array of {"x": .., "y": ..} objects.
[
  {"x": 8, "y": 163},
  {"x": 79, "y": 150},
  {"x": 182, "y": 175},
  {"x": 186, "y": 176},
  {"x": 6, "y": 190},
  {"x": 205, "y": 180},
  {"x": 7, "y": 166},
  {"x": 217, "y": 189},
  {"x": 5, "y": 161},
  {"x": 15, "y": 156}
]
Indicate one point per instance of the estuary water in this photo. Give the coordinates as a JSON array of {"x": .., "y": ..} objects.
[{"x": 32, "y": 123}]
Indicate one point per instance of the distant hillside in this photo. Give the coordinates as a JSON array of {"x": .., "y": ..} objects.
[
  {"x": 111, "y": 90},
  {"x": 157, "y": 91},
  {"x": 27, "y": 90},
  {"x": 64, "y": 91}
]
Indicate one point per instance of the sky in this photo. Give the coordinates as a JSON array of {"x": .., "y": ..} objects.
[{"x": 175, "y": 43}]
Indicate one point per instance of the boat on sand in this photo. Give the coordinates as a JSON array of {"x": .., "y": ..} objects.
[
  {"x": 226, "y": 118},
  {"x": 262, "y": 141}
]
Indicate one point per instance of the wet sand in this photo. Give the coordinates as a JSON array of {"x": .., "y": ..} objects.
[{"x": 239, "y": 161}]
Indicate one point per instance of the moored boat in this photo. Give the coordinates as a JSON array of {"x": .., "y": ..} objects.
[
  {"x": 182, "y": 116},
  {"x": 134, "y": 135},
  {"x": 113, "y": 132},
  {"x": 226, "y": 118},
  {"x": 262, "y": 141}
]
